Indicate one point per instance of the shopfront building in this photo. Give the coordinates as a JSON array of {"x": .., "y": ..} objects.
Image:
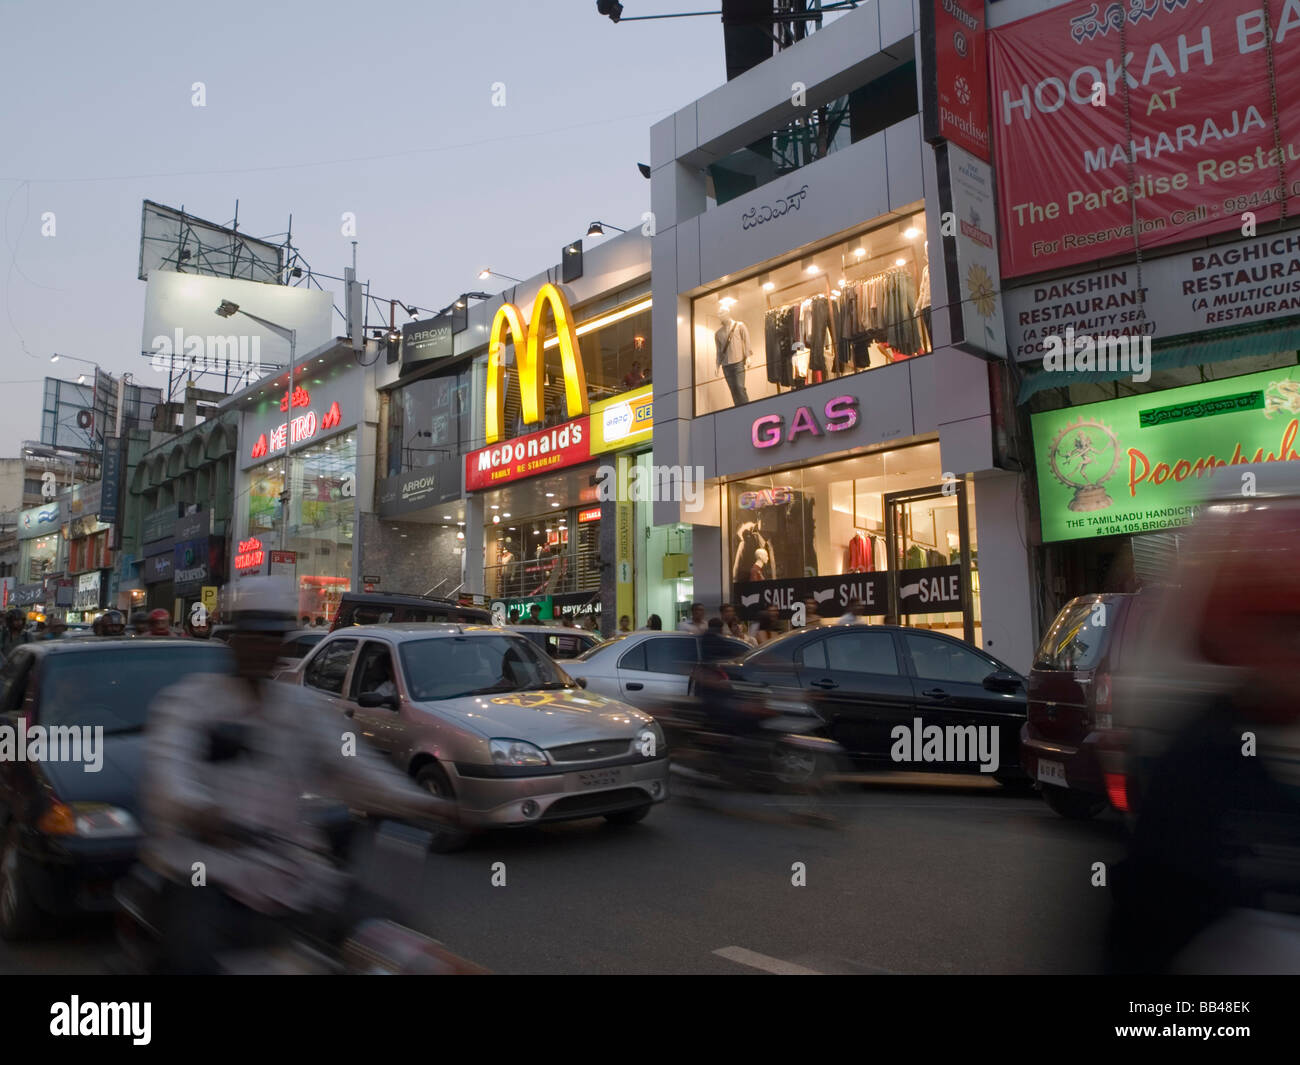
[
  {"x": 1146, "y": 356},
  {"x": 831, "y": 345},
  {"x": 298, "y": 477}
]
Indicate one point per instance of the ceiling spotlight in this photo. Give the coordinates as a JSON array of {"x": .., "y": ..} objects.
[
  {"x": 860, "y": 252},
  {"x": 900, "y": 261},
  {"x": 911, "y": 233},
  {"x": 767, "y": 283}
]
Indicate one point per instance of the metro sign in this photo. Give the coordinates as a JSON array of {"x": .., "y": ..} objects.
[{"x": 303, "y": 427}]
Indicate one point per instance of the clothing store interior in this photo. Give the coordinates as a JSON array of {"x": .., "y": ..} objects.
[
  {"x": 830, "y": 519},
  {"x": 855, "y": 305}
]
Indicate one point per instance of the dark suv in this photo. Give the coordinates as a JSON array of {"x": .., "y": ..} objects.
[
  {"x": 381, "y": 608},
  {"x": 1073, "y": 739}
]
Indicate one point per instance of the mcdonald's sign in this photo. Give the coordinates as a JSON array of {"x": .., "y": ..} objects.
[{"x": 529, "y": 360}]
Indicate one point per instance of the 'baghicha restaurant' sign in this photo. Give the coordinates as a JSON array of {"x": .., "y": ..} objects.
[
  {"x": 250, "y": 555},
  {"x": 1138, "y": 464},
  {"x": 527, "y": 456}
]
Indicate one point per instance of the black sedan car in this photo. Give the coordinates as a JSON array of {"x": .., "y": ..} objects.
[
  {"x": 72, "y": 715},
  {"x": 892, "y": 697}
]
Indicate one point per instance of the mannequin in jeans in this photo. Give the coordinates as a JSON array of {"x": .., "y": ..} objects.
[{"x": 732, "y": 343}]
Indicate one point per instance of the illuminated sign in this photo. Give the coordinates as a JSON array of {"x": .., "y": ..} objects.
[
  {"x": 590, "y": 514},
  {"x": 526, "y": 456},
  {"x": 767, "y": 497},
  {"x": 623, "y": 420},
  {"x": 769, "y": 430},
  {"x": 250, "y": 554},
  {"x": 301, "y": 398},
  {"x": 529, "y": 361},
  {"x": 301, "y": 428}
]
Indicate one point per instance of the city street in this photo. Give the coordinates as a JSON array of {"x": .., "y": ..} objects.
[{"x": 924, "y": 875}]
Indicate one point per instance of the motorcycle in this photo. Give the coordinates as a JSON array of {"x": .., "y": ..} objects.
[
  {"x": 370, "y": 946},
  {"x": 771, "y": 745}
]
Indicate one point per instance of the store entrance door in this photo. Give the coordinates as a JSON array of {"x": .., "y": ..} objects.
[{"x": 927, "y": 539}]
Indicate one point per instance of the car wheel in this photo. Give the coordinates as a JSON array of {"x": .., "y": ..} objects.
[
  {"x": 20, "y": 918},
  {"x": 1076, "y": 805},
  {"x": 433, "y": 778},
  {"x": 804, "y": 771},
  {"x": 629, "y": 817}
]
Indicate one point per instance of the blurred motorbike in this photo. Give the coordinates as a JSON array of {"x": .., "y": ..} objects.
[
  {"x": 770, "y": 745},
  {"x": 368, "y": 946}
]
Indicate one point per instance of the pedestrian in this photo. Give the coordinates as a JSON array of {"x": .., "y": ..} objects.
[
  {"x": 534, "y": 615},
  {"x": 852, "y": 615},
  {"x": 320, "y": 621},
  {"x": 624, "y": 624},
  {"x": 812, "y": 613},
  {"x": 654, "y": 622},
  {"x": 306, "y": 622},
  {"x": 732, "y": 625},
  {"x": 15, "y": 632},
  {"x": 766, "y": 629},
  {"x": 514, "y": 617},
  {"x": 696, "y": 623},
  {"x": 56, "y": 629}
]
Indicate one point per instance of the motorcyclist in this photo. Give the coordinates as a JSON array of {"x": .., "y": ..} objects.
[
  {"x": 15, "y": 632},
  {"x": 160, "y": 623},
  {"x": 113, "y": 624},
  {"x": 140, "y": 623},
  {"x": 1217, "y": 834},
  {"x": 228, "y": 761}
]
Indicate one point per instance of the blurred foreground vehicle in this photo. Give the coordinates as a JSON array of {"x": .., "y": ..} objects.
[
  {"x": 478, "y": 715},
  {"x": 357, "y": 943},
  {"x": 1072, "y": 741},
  {"x": 381, "y": 608},
  {"x": 69, "y": 829},
  {"x": 1212, "y": 880},
  {"x": 881, "y": 692}
]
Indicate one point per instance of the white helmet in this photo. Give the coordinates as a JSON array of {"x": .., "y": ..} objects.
[{"x": 265, "y": 604}]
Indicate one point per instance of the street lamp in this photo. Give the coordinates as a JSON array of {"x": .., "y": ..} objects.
[
  {"x": 229, "y": 310},
  {"x": 486, "y": 272},
  {"x": 597, "y": 229}
]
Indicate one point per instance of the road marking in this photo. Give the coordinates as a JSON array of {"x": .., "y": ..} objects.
[{"x": 765, "y": 962}]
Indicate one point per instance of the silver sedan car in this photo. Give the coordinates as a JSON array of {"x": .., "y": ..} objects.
[
  {"x": 481, "y": 716},
  {"x": 647, "y": 668}
]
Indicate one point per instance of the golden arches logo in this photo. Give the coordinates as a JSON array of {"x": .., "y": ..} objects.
[{"x": 529, "y": 359}]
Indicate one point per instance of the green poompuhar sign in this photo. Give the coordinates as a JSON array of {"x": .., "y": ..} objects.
[{"x": 1138, "y": 464}]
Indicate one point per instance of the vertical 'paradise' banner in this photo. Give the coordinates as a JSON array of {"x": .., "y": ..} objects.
[{"x": 1203, "y": 147}]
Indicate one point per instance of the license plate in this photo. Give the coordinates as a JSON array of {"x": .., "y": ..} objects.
[
  {"x": 599, "y": 778},
  {"x": 1052, "y": 773}
]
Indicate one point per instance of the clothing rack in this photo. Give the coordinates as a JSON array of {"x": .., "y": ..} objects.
[{"x": 825, "y": 290}]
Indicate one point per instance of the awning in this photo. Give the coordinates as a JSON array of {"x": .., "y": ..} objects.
[{"x": 1176, "y": 354}]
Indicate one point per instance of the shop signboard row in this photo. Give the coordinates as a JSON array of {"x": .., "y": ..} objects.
[
  {"x": 551, "y": 608},
  {"x": 1151, "y": 121},
  {"x": 1140, "y": 463},
  {"x": 929, "y": 590}
]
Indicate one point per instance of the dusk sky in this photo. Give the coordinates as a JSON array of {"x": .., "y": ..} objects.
[{"x": 381, "y": 109}]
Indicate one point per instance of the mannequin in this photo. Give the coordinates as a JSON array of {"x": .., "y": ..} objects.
[
  {"x": 732, "y": 344},
  {"x": 923, "y": 300},
  {"x": 758, "y": 571}
]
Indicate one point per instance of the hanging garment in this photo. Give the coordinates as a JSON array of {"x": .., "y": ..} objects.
[
  {"x": 779, "y": 326},
  {"x": 819, "y": 317},
  {"x": 858, "y": 555},
  {"x": 915, "y": 557}
]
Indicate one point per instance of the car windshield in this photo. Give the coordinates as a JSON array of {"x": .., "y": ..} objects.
[
  {"x": 600, "y": 649},
  {"x": 452, "y": 667},
  {"x": 114, "y": 688},
  {"x": 1077, "y": 638}
]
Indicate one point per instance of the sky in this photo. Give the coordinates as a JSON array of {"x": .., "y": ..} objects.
[{"x": 381, "y": 109}]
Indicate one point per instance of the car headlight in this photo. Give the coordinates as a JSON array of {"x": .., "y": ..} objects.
[
  {"x": 91, "y": 820},
  {"x": 516, "y": 753},
  {"x": 650, "y": 740}
]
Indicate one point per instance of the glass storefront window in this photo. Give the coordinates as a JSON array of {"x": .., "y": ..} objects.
[
  {"x": 871, "y": 514},
  {"x": 858, "y": 305},
  {"x": 39, "y": 558},
  {"x": 615, "y": 347},
  {"x": 321, "y": 519},
  {"x": 428, "y": 421},
  {"x": 551, "y": 555}
]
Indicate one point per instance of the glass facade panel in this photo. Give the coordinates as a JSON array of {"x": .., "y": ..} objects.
[
  {"x": 429, "y": 420},
  {"x": 858, "y": 305}
]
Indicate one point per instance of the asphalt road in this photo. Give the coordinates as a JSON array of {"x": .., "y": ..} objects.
[{"x": 916, "y": 874}]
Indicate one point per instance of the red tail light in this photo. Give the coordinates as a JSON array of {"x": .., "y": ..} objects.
[{"x": 1117, "y": 791}]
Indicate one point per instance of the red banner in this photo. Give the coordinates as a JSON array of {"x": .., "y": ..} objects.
[
  {"x": 1074, "y": 180},
  {"x": 527, "y": 456},
  {"x": 959, "y": 111}
]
